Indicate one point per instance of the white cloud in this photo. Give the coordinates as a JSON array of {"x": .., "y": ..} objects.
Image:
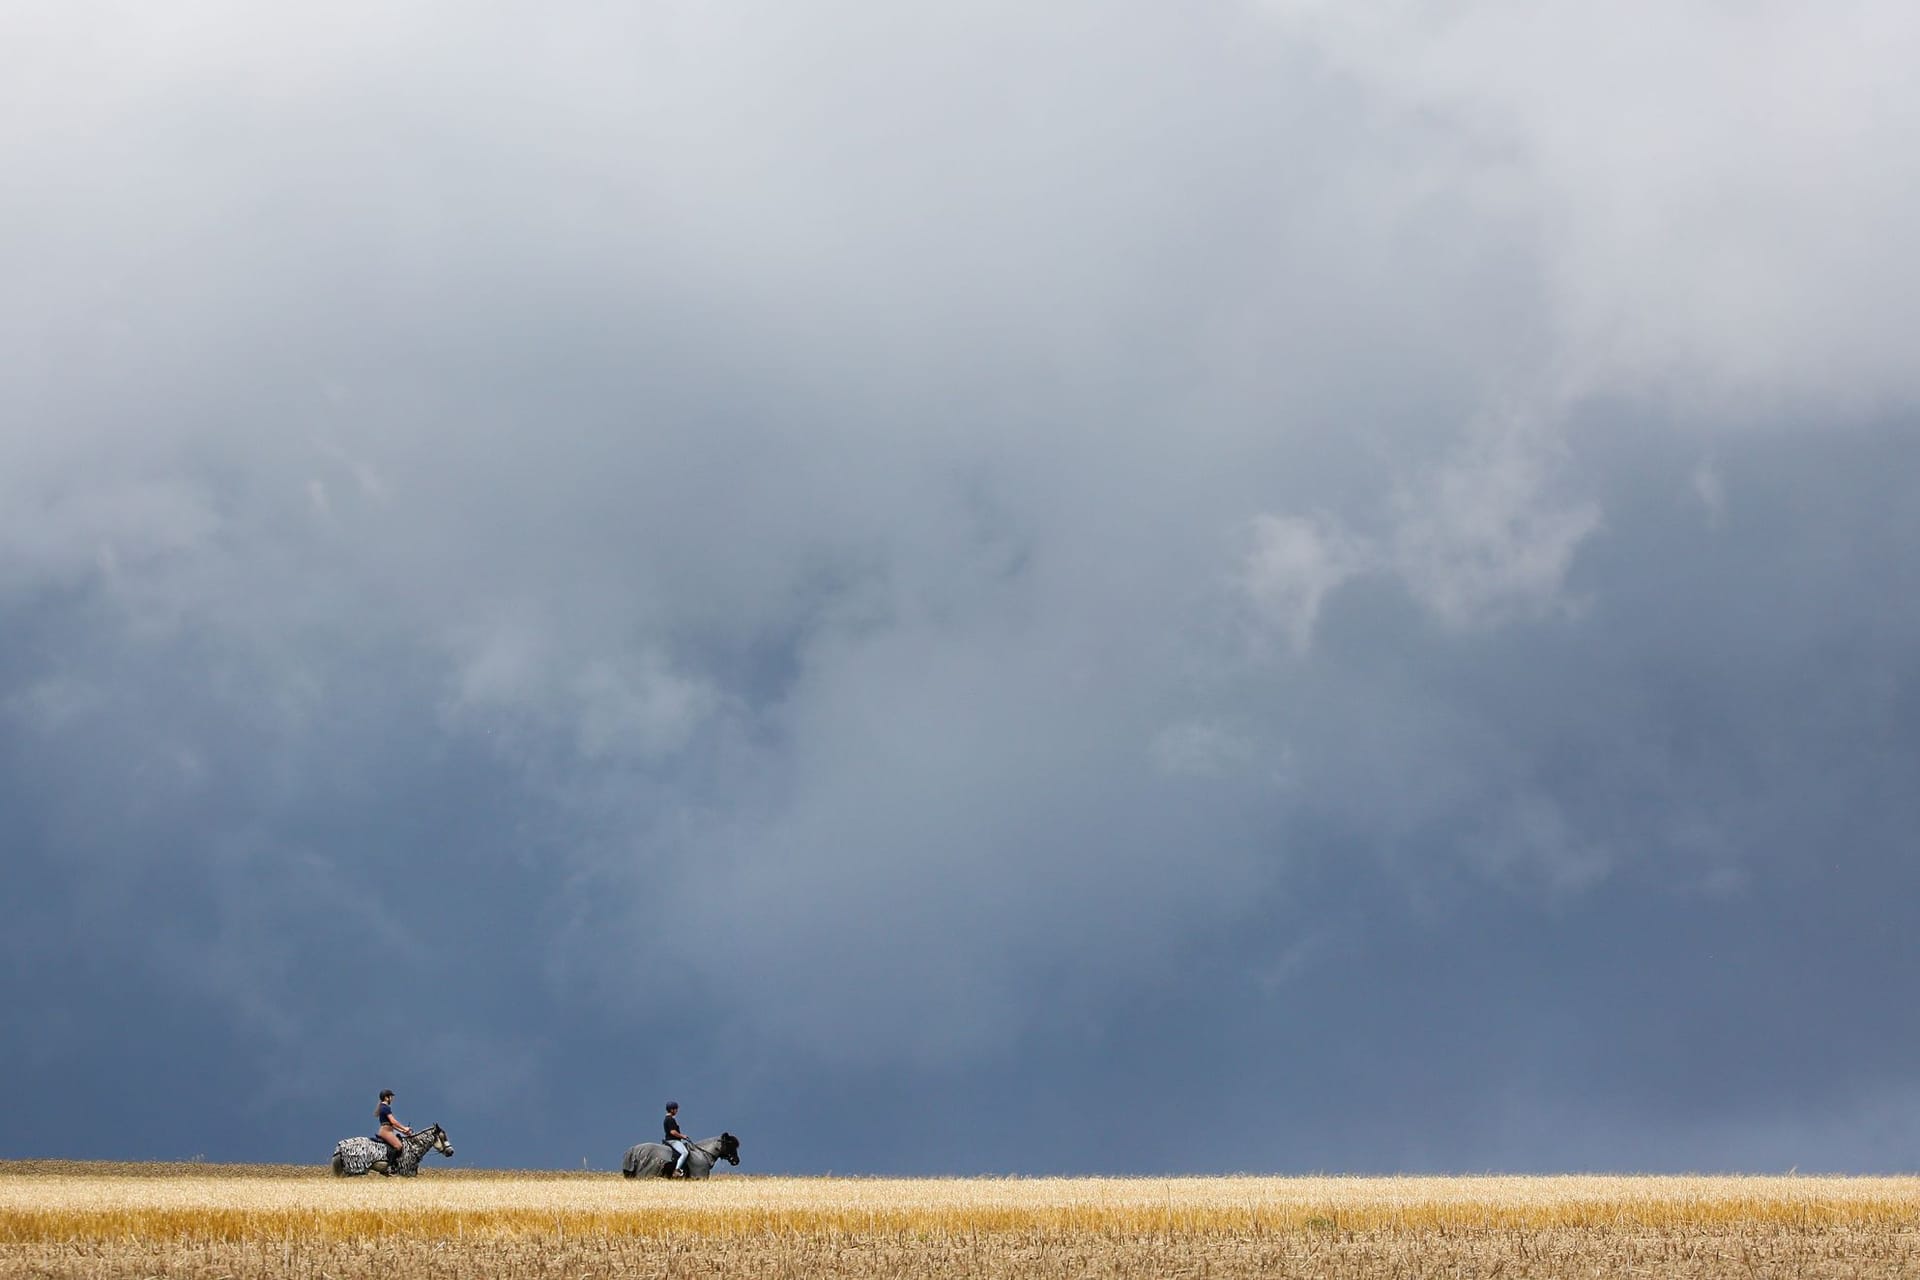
[
  {"x": 1295, "y": 563},
  {"x": 1716, "y": 186},
  {"x": 638, "y": 707},
  {"x": 1203, "y": 749},
  {"x": 1489, "y": 536},
  {"x": 66, "y": 530},
  {"x": 631, "y": 707},
  {"x": 1486, "y": 536},
  {"x": 1530, "y": 841}
]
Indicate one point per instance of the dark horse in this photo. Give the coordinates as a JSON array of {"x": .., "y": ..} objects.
[{"x": 655, "y": 1159}]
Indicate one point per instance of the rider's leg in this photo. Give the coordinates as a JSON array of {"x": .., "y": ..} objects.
[
  {"x": 680, "y": 1151},
  {"x": 392, "y": 1139}
]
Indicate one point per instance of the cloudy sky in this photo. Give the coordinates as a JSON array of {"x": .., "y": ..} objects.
[{"x": 964, "y": 587}]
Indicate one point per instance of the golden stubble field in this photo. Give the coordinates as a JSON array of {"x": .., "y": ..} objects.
[{"x": 61, "y": 1219}]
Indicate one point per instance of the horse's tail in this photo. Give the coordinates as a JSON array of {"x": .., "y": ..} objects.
[{"x": 630, "y": 1167}]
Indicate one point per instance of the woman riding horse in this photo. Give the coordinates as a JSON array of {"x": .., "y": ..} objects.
[{"x": 390, "y": 1128}]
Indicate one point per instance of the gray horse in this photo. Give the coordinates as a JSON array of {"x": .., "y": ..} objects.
[
  {"x": 355, "y": 1156},
  {"x": 655, "y": 1159}
]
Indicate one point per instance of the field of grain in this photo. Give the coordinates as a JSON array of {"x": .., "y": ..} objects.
[{"x": 135, "y": 1220}]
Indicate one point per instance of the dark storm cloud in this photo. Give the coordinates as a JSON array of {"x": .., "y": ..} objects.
[{"x": 1324, "y": 573}]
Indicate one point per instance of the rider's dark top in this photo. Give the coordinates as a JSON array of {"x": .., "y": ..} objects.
[
  {"x": 384, "y": 1115},
  {"x": 671, "y": 1126}
]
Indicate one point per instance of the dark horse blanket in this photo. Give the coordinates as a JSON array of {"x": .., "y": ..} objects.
[{"x": 655, "y": 1159}]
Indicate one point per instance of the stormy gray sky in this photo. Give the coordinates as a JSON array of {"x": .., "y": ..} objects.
[{"x": 963, "y": 587}]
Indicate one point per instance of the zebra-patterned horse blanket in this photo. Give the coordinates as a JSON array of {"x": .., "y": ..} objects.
[{"x": 355, "y": 1156}]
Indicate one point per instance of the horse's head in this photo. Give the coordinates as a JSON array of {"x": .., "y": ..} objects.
[
  {"x": 440, "y": 1141},
  {"x": 730, "y": 1148}
]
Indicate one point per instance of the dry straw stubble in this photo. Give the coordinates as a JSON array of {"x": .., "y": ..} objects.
[{"x": 134, "y": 1220}]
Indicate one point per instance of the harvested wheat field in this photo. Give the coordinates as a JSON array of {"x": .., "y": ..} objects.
[{"x": 268, "y": 1221}]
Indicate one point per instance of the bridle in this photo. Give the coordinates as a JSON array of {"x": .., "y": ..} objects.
[
  {"x": 429, "y": 1139},
  {"x": 717, "y": 1154}
]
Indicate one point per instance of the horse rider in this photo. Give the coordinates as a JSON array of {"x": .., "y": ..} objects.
[
  {"x": 390, "y": 1128},
  {"x": 676, "y": 1140}
]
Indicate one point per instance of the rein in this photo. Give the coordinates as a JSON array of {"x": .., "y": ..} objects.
[
  {"x": 428, "y": 1139},
  {"x": 710, "y": 1148}
]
